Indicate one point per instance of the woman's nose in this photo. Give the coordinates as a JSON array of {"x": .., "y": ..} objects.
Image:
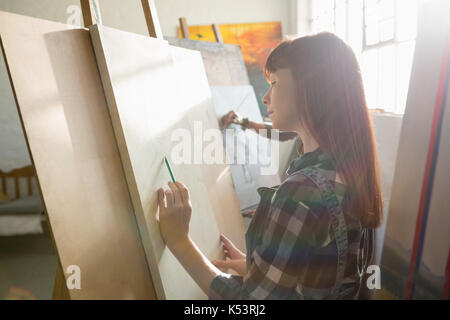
[{"x": 265, "y": 100}]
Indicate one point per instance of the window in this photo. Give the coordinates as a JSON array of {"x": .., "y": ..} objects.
[
  {"x": 382, "y": 34},
  {"x": 330, "y": 15}
]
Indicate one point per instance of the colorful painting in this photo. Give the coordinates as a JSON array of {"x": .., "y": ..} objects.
[{"x": 255, "y": 39}]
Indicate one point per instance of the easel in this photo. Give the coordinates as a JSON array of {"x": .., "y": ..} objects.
[
  {"x": 91, "y": 15},
  {"x": 185, "y": 30}
]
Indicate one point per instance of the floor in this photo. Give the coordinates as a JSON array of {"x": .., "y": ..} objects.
[
  {"x": 384, "y": 294},
  {"x": 27, "y": 267},
  {"x": 28, "y": 264}
]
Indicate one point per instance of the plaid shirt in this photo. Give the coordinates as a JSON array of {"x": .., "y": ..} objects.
[{"x": 291, "y": 249}]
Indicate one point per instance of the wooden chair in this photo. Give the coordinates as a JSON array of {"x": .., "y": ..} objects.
[
  {"x": 25, "y": 172},
  {"x": 22, "y": 202}
]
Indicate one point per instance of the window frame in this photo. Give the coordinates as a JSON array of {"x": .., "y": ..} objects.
[
  {"x": 380, "y": 44},
  {"x": 364, "y": 48}
]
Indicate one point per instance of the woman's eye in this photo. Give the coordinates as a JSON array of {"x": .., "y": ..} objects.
[{"x": 273, "y": 82}]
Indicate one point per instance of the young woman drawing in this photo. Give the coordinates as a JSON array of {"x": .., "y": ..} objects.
[{"x": 304, "y": 238}]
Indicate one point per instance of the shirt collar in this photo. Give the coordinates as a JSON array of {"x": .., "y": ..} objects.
[{"x": 306, "y": 160}]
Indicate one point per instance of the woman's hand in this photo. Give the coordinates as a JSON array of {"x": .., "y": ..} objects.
[
  {"x": 236, "y": 258},
  {"x": 230, "y": 117},
  {"x": 175, "y": 211}
]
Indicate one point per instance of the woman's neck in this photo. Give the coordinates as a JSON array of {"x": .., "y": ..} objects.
[{"x": 309, "y": 143}]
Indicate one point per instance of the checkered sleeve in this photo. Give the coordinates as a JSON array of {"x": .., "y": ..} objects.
[{"x": 281, "y": 259}]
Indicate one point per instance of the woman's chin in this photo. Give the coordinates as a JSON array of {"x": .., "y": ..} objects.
[
  {"x": 281, "y": 126},
  {"x": 275, "y": 124}
]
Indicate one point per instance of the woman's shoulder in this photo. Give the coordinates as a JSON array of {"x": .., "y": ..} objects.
[
  {"x": 299, "y": 184},
  {"x": 303, "y": 186},
  {"x": 297, "y": 189},
  {"x": 313, "y": 175}
]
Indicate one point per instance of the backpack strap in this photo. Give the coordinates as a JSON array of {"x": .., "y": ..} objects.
[
  {"x": 366, "y": 247},
  {"x": 337, "y": 221},
  {"x": 365, "y": 258}
]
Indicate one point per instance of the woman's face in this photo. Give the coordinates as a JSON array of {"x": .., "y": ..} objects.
[{"x": 280, "y": 100}]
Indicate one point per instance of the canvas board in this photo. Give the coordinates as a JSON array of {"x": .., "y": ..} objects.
[
  {"x": 433, "y": 34},
  {"x": 63, "y": 111},
  {"x": 143, "y": 94},
  {"x": 223, "y": 63},
  {"x": 245, "y": 170},
  {"x": 217, "y": 176}
]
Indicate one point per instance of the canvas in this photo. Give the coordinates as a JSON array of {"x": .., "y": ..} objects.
[
  {"x": 147, "y": 106},
  {"x": 246, "y": 172},
  {"x": 223, "y": 63}
]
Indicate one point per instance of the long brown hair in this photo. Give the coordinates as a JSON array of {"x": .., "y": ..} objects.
[{"x": 334, "y": 110}]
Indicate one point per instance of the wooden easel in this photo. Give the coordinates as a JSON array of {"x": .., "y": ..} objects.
[
  {"x": 91, "y": 15},
  {"x": 185, "y": 30},
  {"x": 217, "y": 33},
  {"x": 91, "y": 12}
]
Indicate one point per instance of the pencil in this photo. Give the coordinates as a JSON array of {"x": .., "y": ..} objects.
[{"x": 170, "y": 170}]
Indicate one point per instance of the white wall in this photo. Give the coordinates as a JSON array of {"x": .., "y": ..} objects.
[
  {"x": 54, "y": 10},
  {"x": 301, "y": 17},
  {"x": 387, "y": 134}
]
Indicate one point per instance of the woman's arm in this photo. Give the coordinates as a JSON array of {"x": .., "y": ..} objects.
[
  {"x": 201, "y": 270},
  {"x": 282, "y": 135},
  {"x": 175, "y": 211},
  {"x": 277, "y": 263},
  {"x": 280, "y": 261},
  {"x": 260, "y": 127}
]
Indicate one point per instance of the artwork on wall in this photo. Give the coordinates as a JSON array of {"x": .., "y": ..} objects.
[{"x": 256, "y": 41}]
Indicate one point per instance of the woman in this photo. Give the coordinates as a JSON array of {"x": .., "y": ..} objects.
[{"x": 304, "y": 239}]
